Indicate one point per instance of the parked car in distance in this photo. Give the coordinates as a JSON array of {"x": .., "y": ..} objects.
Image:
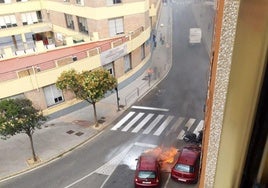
[
  {"x": 147, "y": 172},
  {"x": 187, "y": 166}
]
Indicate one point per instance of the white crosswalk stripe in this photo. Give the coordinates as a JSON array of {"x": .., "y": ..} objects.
[
  {"x": 150, "y": 108},
  {"x": 153, "y": 124},
  {"x": 189, "y": 123},
  {"x": 181, "y": 134},
  {"x": 133, "y": 121},
  {"x": 142, "y": 123},
  {"x": 199, "y": 127},
  {"x": 122, "y": 121},
  {"x": 175, "y": 125},
  {"x": 163, "y": 126}
]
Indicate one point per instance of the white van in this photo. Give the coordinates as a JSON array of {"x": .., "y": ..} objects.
[{"x": 195, "y": 35}]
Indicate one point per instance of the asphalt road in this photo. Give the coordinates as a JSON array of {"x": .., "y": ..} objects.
[{"x": 108, "y": 161}]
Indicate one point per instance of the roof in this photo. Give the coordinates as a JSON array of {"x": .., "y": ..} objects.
[
  {"x": 189, "y": 155},
  {"x": 147, "y": 162}
]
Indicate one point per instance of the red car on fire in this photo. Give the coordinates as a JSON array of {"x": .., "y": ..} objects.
[{"x": 187, "y": 166}]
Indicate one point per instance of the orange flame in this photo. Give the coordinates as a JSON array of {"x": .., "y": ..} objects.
[{"x": 166, "y": 156}]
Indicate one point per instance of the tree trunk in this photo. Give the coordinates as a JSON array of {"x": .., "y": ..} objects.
[
  {"x": 32, "y": 146},
  {"x": 95, "y": 114}
]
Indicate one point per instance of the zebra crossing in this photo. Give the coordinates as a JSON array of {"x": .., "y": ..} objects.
[{"x": 156, "y": 123}]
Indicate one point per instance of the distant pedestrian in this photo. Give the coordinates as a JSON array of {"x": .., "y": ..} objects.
[
  {"x": 209, "y": 25},
  {"x": 162, "y": 39},
  {"x": 154, "y": 40},
  {"x": 154, "y": 37}
]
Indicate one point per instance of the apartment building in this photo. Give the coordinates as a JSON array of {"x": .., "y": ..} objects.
[{"x": 39, "y": 39}]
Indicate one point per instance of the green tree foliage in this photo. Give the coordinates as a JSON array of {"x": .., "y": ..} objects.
[
  {"x": 88, "y": 85},
  {"x": 19, "y": 116}
]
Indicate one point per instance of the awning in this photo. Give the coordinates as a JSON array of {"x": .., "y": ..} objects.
[{"x": 41, "y": 29}]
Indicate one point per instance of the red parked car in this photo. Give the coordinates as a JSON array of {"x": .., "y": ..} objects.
[
  {"x": 186, "y": 168},
  {"x": 147, "y": 172}
]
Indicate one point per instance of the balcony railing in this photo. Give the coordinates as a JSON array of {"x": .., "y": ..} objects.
[
  {"x": 71, "y": 58},
  {"x": 61, "y": 61}
]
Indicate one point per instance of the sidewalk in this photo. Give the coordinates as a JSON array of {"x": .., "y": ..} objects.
[{"x": 72, "y": 127}]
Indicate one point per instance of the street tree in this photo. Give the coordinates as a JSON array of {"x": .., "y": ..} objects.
[
  {"x": 19, "y": 116},
  {"x": 87, "y": 85}
]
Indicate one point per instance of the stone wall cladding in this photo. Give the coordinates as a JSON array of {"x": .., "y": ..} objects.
[{"x": 224, "y": 61}]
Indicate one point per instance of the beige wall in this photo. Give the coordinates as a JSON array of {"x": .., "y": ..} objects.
[
  {"x": 68, "y": 95},
  {"x": 135, "y": 57},
  {"x": 58, "y": 18},
  {"x": 119, "y": 67},
  {"x": 246, "y": 74},
  {"x": 37, "y": 97},
  {"x": 240, "y": 49}
]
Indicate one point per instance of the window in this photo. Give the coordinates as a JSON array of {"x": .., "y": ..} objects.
[
  {"x": 5, "y": 1},
  {"x": 82, "y": 25},
  {"x": 112, "y": 2},
  {"x": 127, "y": 63},
  {"x": 69, "y": 21},
  {"x": 8, "y": 21},
  {"x": 147, "y": 174},
  {"x": 109, "y": 68},
  {"x": 80, "y": 2},
  {"x": 142, "y": 51},
  {"x": 29, "y": 18},
  {"x": 53, "y": 95},
  {"x": 116, "y": 26},
  {"x": 39, "y": 16},
  {"x": 184, "y": 168},
  {"x": 18, "y": 96}
]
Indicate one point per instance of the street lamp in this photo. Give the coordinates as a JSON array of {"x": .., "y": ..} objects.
[{"x": 117, "y": 98}]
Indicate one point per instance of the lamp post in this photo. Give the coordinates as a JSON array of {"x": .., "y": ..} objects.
[{"x": 117, "y": 98}]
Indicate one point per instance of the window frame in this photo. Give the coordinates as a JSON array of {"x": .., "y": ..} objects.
[
  {"x": 69, "y": 21},
  {"x": 127, "y": 63},
  {"x": 113, "y": 2},
  {"x": 82, "y": 24},
  {"x": 143, "y": 51},
  {"x": 116, "y": 26}
]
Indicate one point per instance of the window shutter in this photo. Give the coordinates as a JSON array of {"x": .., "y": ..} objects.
[
  {"x": 7, "y": 20},
  {"x": 109, "y": 2},
  {"x": 13, "y": 20},
  {"x": 2, "y": 22},
  {"x": 23, "y": 18},
  {"x": 29, "y": 18},
  {"x": 34, "y": 17},
  {"x": 119, "y": 25},
  {"x": 112, "y": 28}
]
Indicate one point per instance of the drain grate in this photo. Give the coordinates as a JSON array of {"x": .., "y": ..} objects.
[
  {"x": 70, "y": 132},
  {"x": 79, "y": 134},
  {"x": 101, "y": 121}
]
